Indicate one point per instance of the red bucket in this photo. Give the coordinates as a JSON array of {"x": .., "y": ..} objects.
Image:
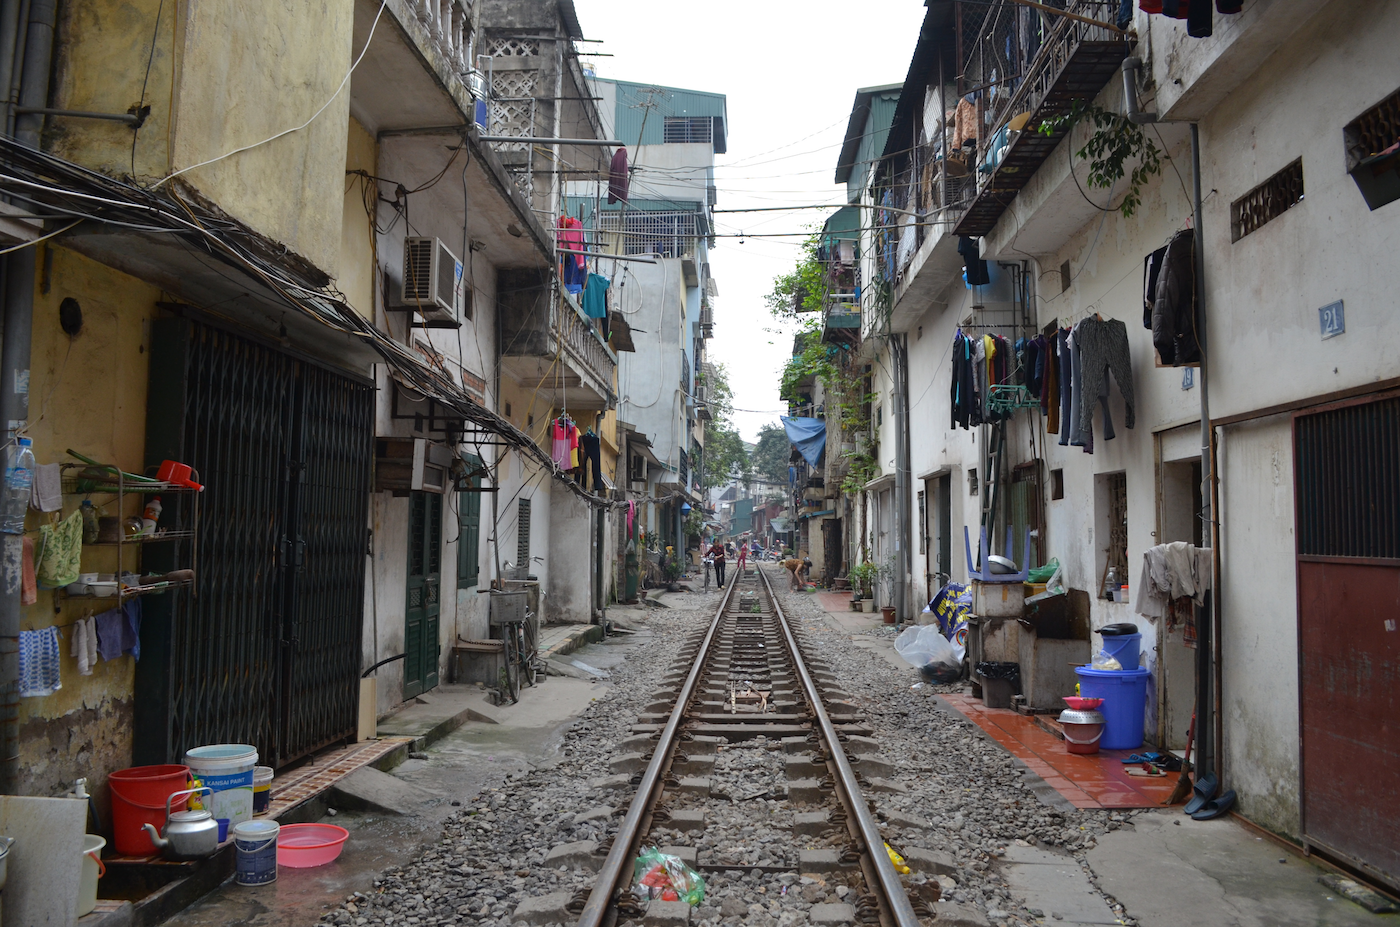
[{"x": 138, "y": 797}]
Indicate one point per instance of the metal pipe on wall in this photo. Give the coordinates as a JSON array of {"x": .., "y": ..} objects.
[
  {"x": 14, "y": 379},
  {"x": 1206, "y": 758},
  {"x": 899, "y": 351}
]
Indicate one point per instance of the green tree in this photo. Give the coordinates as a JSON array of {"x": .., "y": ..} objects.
[
  {"x": 726, "y": 457},
  {"x": 804, "y": 288},
  {"x": 770, "y": 457}
]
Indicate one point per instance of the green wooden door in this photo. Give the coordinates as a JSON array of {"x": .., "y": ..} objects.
[{"x": 420, "y": 637}]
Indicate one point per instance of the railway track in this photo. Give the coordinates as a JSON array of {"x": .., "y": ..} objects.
[{"x": 742, "y": 688}]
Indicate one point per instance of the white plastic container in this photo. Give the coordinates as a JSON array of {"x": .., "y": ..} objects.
[
  {"x": 92, "y": 871},
  {"x": 227, "y": 769}
]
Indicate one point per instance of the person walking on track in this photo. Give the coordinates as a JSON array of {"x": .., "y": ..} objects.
[
  {"x": 743, "y": 561},
  {"x": 717, "y": 553}
]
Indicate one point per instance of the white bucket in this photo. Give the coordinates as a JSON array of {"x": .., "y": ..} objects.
[
  {"x": 92, "y": 871},
  {"x": 227, "y": 769},
  {"x": 256, "y": 845}
]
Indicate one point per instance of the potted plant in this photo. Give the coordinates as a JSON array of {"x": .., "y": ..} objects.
[
  {"x": 862, "y": 577},
  {"x": 672, "y": 569}
]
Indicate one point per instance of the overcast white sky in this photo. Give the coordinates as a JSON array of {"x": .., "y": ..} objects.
[{"x": 790, "y": 71}]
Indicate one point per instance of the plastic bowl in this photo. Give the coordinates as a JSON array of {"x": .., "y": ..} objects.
[
  {"x": 1079, "y": 703},
  {"x": 303, "y": 846}
]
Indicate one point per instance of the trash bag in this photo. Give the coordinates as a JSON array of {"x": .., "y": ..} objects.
[
  {"x": 925, "y": 647},
  {"x": 664, "y": 877},
  {"x": 997, "y": 670},
  {"x": 1042, "y": 574},
  {"x": 1105, "y": 661}
]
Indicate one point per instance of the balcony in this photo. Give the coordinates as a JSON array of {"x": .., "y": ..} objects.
[
  {"x": 1074, "y": 62},
  {"x": 550, "y": 345},
  {"x": 841, "y": 319}
]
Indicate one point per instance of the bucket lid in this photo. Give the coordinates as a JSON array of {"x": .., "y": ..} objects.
[
  {"x": 255, "y": 829},
  {"x": 1119, "y": 629},
  {"x": 222, "y": 755},
  {"x": 1111, "y": 674},
  {"x": 1071, "y": 716}
]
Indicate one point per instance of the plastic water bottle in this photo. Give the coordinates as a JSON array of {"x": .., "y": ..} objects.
[{"x": 19, "y": 480}]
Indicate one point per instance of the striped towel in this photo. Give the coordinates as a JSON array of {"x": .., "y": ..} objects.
[{"x": 39, "y": 655}]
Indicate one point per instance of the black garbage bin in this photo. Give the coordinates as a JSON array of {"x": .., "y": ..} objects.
[{"x": 1000, "y": 681}]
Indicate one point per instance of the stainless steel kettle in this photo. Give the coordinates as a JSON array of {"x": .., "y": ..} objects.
[{"x": 188, "y": 834}]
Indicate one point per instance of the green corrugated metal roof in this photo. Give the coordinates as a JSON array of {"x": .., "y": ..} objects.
[
  {"x": 634, "y": 119},
  {"x": 869, "y": 126},
  {"x": 843, "y": 224}
]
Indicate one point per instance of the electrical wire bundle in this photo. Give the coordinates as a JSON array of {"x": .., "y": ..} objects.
[{"x": 59, "y": 190}]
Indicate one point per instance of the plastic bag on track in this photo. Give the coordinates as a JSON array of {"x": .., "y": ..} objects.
[{"x": 660, "y": 876}]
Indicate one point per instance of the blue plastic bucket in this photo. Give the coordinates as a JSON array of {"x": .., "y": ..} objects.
[
  {"x": 228, "y": 770},
  {"x": 255, "y": 843},
  {"x": 1124, "y": 694},
  {"x": 1125, "y": 648}
]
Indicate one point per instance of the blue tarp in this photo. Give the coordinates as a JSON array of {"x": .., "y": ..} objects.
[{"x": 808, "y": 435}]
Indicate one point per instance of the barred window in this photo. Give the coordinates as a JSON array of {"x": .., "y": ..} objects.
[
  {"x": 669, "y": 234},
  {"x": 679, "y": 130},
  {"x": 1268, "y": 201}
]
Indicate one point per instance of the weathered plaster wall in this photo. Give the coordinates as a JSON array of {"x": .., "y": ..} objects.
[
  {"x": 355, "y": 269},
  {"x": 103, "y": 48},
  {"x": 653, "y": 302},
  {"x": 248, "y": 73},
  {"x": 87, "y": 393}
]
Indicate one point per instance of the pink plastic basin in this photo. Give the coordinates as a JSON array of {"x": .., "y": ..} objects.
[
  {"x": 1079, "y": 703},
  {"x": 303, "y": 846}
]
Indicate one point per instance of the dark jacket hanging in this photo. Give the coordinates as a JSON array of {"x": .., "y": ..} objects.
[{"x": 1174, "y": 310}]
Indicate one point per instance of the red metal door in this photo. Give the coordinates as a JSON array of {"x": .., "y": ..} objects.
[{"x": 1347, "y": 483}]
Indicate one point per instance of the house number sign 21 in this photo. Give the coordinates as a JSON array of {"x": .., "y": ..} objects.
[{"x": 1333, "y": 320}]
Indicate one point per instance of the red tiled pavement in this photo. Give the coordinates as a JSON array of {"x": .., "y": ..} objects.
[
  {"x": 1097, "y": 781},
  {"x": 834, "y": 601}
]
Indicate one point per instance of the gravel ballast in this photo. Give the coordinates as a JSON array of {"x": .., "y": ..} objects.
[{"x": 948, "y": 796}]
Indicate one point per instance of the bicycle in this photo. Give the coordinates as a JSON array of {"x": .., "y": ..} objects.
[{"x": 521, "y": 655}]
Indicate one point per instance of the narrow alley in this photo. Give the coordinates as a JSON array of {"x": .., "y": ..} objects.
[{"x": 544, "y": 464}]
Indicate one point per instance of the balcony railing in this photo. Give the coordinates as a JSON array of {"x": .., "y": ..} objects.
[
  {"x": 582, "y": 340},
  {"x": 1020, "y": 86},
  {"x": 449, "y": 23}
]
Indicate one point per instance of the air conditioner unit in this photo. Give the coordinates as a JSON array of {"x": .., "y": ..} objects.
[
  {"x": 432, "y": 279},
  {"x": 404, "y": 465}
]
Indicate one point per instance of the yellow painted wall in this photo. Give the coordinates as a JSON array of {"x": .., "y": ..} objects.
[
  {"x": 250, "y": 71},
  {"x": 355, "y": 274},
  {"x": 103, "y": 49},
  {"x": 87, "y": 393}
]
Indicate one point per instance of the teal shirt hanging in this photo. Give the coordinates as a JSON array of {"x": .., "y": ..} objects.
[{"x": 595, "y": 296}]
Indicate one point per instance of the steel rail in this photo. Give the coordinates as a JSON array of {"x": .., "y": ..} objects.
[
  {"x": 620, "y": 856},
  {"x": 895, "y": 897}
]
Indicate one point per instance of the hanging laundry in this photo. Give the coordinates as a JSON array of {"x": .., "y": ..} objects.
[
  {"x": 1066, "y": 373},
  {"x": 1174, "y": 305},
  {"x": 595, "y": 296},
  {"x": 46, "y": 493},
  {"x": 119, "y": 631},
  {"x": 1050, "y": 384},
  {"x": 973, "y": 265},
  {"x": 60, "y": 547},
  {"x": 1104, "y": 347},
  {"x": 559, "y": 445},
  {"x": 573, "y": 446},
  {"x": 1170, "y": 572},
  {"x": 592, "y": 460},
  {"x": 84, "y": 644},
  {"x": 39, "y": 656},
  {"x": 618, "y": 177}
]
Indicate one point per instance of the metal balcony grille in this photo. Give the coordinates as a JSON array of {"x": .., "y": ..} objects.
[
  {"x": 1268, "y": 201},
  {"x": 669, "y": 234},
  {"x": 1348, "y": 481},
  {"x": 679, "y": 130}
]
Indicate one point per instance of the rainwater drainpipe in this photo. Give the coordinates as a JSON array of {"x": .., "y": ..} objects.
[
  {"x": 18, "y": 272},
  {"x": 1208, "y": 733},
  {"x": 899, "y": 349}
]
